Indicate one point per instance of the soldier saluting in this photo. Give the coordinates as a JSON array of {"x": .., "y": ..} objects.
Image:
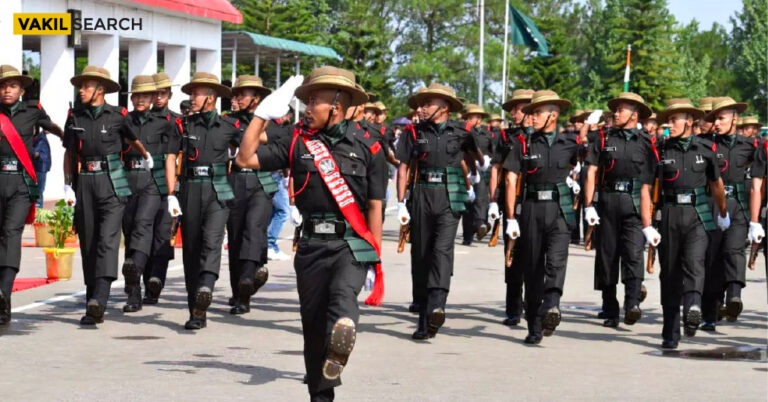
[{"x": 18, "y": 183}]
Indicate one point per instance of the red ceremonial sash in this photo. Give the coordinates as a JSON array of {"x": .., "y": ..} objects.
[
  {"x": 329, "y": 171},
  {"x": 18, "y": 147}
]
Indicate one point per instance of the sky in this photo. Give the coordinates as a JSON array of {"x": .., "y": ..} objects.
[{"x": 705, "y": 11}]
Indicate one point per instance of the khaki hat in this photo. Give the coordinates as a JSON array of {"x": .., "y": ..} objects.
[
  {"x": 381, "y": 106},
  {"x": 680, "y": 105},
  {"x": 445, "y": 92},
  {"x": 578, "y": 115},
  {"x": 206, "y": 80},
  {"x": 162, "y": 80},
  {"x": 8, "y": 72},
  {"x": 371, "y": 96},
  {"x": 724, "y": 103},
  {"x": 328, "y": 77},
  {"x": 474, "y": 109},
  {"x": 372, "y": 106},
  {"x": 748, "y": 121},
  {"x": 250, "y": 81},
  {"x": 705, "y": 104},
  {"x": 494, "y": 117},
  {"x": 652, "y": 117},
  {"x": 518, "y": 96},
  {"x": 643, "y": 110},
  {"x": 142, "y": 84},
  {"x": 96, "y": 73},
  {"x": 546, "y": 97}
]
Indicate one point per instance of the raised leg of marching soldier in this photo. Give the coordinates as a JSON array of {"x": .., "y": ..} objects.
[
  {"x": 14, "y": 206},
  {"x": 161, "y": 253},
  {"x": 714, "y": 280}
]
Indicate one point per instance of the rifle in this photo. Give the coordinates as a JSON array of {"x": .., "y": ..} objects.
[
  {"x": 591, "y": 228},
  {"x": 655, "y": 200},
  {"x": 181, "y": 170},
  {"x": 753, "y": 252},
  {"x": 74, "y": 151},
  {"x": 508, "y": 256},
  {"x": 405, "y": 229}
]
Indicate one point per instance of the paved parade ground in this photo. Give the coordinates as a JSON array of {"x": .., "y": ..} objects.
[{"x": 148, "y": 355}]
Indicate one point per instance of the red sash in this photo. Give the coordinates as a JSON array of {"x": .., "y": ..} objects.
[
  {"x": 329, "y": 171},
  {"x": 18, "y": 147}
]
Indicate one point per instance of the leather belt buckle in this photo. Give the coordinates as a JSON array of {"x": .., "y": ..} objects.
[
  {"x": 136, "y": 164},
  {"x": 544, "y": 195},
  {"x": 201, "y": 171},
  {"x": 93, "y": 166},
  {"x": 324, "y": 228},
  {"x": 9, "y": 166},
  {"x": 246, "y": 170},
  {"x": 622, "y": 186},
  {"x": 434, "y": 177},
  {"x": 684, "y": 198},
  {"x": 729, "y": 191}
]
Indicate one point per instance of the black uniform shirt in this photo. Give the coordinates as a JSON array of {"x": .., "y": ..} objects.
[
  {"x": 623, "y": 158},
  {"x": 688, "y": 168},
  {"x": 484, "y": 140},
  {"x": 360, "y": 160},
  {"x": 209, "y": 140},
  {"x": 734, "y": 155},
  {"x": 174, "y": 135},
  {"x": 436, "y": 149},
  {"x": 541, "y": 162},
  {"x": 26, "y": 117},
  {"x": 102, "y": 134},
  {"x": 760, "y": 161},
  {"x": 155, "y": 133}
]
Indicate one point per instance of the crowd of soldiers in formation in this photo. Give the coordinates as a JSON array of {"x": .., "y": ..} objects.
[{"x": 689, "y": 190}]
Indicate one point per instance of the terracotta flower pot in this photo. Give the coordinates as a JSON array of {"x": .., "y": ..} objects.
[{"x": 59, "y": 262}]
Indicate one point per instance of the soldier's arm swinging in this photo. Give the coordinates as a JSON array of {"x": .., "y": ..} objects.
[
  {"x": 645, "y": 205},
  {"x": 589, "y": 190},
  {"x": 494, "y": 184},
  {"x": 373, "y": 218},
  {"x": 756, "y": 199},
  {"x": 170, "y": 173},
  {"x": 247, "y": 157},
  {"x": 718, "y": 195},
  {"x": 402, "y": 181},
  {"x": 511, "y": 183}
]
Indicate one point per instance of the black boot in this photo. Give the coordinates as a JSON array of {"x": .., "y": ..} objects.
[
  {"x": 610, "y": 307},
  {"x": 436, "y": 310},
  {"x": 327, "y": 395},
  {"x": 154, "y": 287},
  {"x": 131, "y": 275},
  {"x": 414, "y": 308},
  {"x": 196, "y": 322},
  {"x": 691, "y": 313},
  {"x": 340, "y": 345},
  {"x": 97, "y": 304},
  {"x": 134, "y": 300},
  {"x": 7, "y": 276},
  {"x": 733, "y": 304},
  {"x": 535, "y": 334},
  {"x": 421, "y": 329},
  {"x": 5, "y": 309}
]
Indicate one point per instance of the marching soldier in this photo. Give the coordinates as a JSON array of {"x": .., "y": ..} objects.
[
  {"x": 204, "y": 190},
  {"x": 251, "y": 211},
  {"x": 148, "y": 185},
  {"x": 94, "y": 137},
  {"x": 162, "y": 251},
  {"x": 706, "y": 127},
  {"x": 338, "y": 173},
  {"x": 621, "y": 171},
  {"x": 434, "y": 148},
  {"x": 474, "y": 219},
  {"x": 18, "y": 183},
  {"x": 543, "y": 162},
  {"x": 687, "y": 164},
  {"x": 727, "y": 273},
  {"x": 750, "y": 126},
  {"x": 509, "y": 142},
  {"x": 651, "y": 124}
]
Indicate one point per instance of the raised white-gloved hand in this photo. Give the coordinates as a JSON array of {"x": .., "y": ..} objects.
[
  {"x": 69, "y": 195},
  {"x": 232, "y": 153},
  {"x": 486, "y": 163},
  {"x": 370, "y": 279},
  {"x": 573, "y": 185},
  {"x": 276, "y": 104},
  {"x": 402, "y": 214},
  {"x": 652, "y": 236},
  {"x": 756, "y": 232},
  {"x": 594, "y": 117},
  {"x": 724, "y": 223},
  {"x": 173, "y": 206},
  {"x": 493, "y": 212},
  {"x": 475, "y": 178},
  {"x": 590, "y": 214},
  {"x": 513, "y": 229},
  {"x": 471, "y": 194},
  {"x": 296, "y": 217},
  {"x": 150, "y": 162}
]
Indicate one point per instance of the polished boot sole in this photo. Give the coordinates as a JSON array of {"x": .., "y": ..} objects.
[
  {"x": 435, "y": 321},
  {"x": 131, "y": 274},
  {"x": 550, "y": 321},
  {"x": 632, "y": 316},
  {"x": 733, "y": 309},
  {"x": 154, "y": 287},
  {"x": 692, "y": 322},
  {"x": 340, "y": 346},
  {"x": 202, "y": 302},
  {"x": 260, "y": 278},
  {"x": 643, "y": 293},
  {"x": 481, "y": 232}
]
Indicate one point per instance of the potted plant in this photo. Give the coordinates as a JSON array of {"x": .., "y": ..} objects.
[
  {"x": 43, "y": 237},
  {"x": 59, "y": 258}
]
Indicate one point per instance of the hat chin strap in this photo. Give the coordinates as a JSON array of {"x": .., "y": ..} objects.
[
  {"x": 435, "y": 112},
  {"x": 333, "y": 107}
]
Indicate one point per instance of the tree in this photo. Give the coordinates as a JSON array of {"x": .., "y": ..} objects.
[{"x": 749, "y": 54}]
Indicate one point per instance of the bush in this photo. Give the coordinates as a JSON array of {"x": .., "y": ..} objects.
[{"x": 61, "y": 223}]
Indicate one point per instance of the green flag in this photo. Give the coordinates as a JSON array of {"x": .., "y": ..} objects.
[{"x": 525, "y": 32}]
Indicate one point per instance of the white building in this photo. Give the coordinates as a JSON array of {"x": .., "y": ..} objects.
[{"x": 175, "y": 34}]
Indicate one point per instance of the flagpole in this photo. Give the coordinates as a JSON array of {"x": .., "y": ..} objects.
[
  {"x": 504, "y": 61},
  {"x": 482, "y": 43},
  {"x": 626, "y": 70}
]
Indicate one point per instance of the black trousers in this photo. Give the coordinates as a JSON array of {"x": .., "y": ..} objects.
[
  {"x": 513, "y": 276},
  {"x": 161, "y": 251},
  {"x": 682, "y": 253},
  {"x": 476, "y": 214},
  {"x": 140, "y": 212},
  {"x": 14, "y": 206},
  {"x": 98, "y": 219},
  {"x": 202, "y": 231},
  {"x": 329, "y": 280},
  {"x": 433, "y": 231},
  {"x": 726, "y": 263},
  {"x": 543, "y": 254},
  {"x": 620, "y": 244},
  {"x": 249, "y": 218}
]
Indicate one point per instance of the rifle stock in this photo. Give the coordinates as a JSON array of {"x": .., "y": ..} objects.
[
  {"x": 405, "y": 229},
  {"x": 508, "y": 253},
  {"x": 495, "y": 236},
  {"x": 753, "y": 252}
]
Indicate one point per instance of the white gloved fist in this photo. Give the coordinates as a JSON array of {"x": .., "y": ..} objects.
[
  {"x": 296, "y": 217},
  {"x": 513, "y": 229},
  {"x": 276, "y": 104},
  {"x": 370, "y": 279},
  {"x": 69, "y": 196},
  {"x": 486, "y": 163},
  {"x": 652, "y": 236},
  {"x": 756, "y": 232},
  {"x": 573, "y": 185},
  {"x": 471, "y": 194},
  {"x": 232, "y": 153},
  {"x": 594, "y": 117},
  {"x": 493, "y": 212},
  {"x": 576, "y": 169},
  {"x": 402, "y": 214},
  {"x": 590, "y": 214},
  {"x": 150, "y": 162},
  {"x": 174, "y": 209},
  {"x": 724, "y": 223},
  {"x": 475, "y": 178},
  {"x": 286, "y": 181}
]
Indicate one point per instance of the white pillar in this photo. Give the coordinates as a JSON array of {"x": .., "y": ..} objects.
[
  {"x": 234, "y": 62},
  {"x": 12, "y": 45},
  {"x": 142, "y": 60},
  {"x": 57, "y": 66},
  {"x": 256, "y": 64},
  {"x": 177, "y": 65},
  {"x": 277, "y": 77},
  {"x": 209, "y": 61},
  {"x": 104, "y": 52}
]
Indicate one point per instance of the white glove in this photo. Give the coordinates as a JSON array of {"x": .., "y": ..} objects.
[
  {"x": 286, "y": 181},
  {"x": 150, "y": 162},
  {"x": 402, "y": 214},
  {"x": 590, "y": 214},
  {"x": 513, "y": 229},
  {"x": 69, "y": 196},
  {"x": 232, "y": 153},
  {"x": 594, "y": 117},
  {"x": 475, "y": 178},
  {"x": 576, "y": 169},
  {"x": 276, "y": 104},
  {"x": 573, "y": 185},
  {"x": 370, "y": 278},
  {"x": 493, "y": 212},
  {"x": 652, "y": 236},
  {"x": 471, "y": 194},
  {"x": 173, "y": 206},
  {"x": 756, "y": 232},
  {"x": 486, "y": 163},
  {"x": 296, "y": 217},
  {"x": 724, "y": 223}
]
